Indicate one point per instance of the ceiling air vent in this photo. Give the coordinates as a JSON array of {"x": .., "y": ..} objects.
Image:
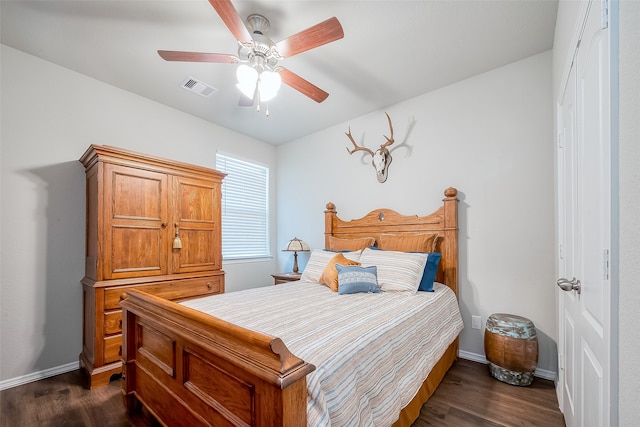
[{"x": 195, "y": 86}]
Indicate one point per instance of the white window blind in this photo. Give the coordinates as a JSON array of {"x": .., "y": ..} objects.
[{"x": 245, "y": 208}]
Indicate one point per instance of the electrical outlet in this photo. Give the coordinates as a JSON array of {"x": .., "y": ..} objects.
[{"x": 476, "y": 322}]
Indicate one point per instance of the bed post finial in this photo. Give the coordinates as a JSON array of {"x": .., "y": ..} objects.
[
  {"x": 451, "y": 192},
  {"x": 331, "y": 207}
]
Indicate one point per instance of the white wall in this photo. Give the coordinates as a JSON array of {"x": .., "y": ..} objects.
[
  {"x": 629, "y": 231},
  {"x": 489, "y": 136},
  {"x": 50, "y": 115}
]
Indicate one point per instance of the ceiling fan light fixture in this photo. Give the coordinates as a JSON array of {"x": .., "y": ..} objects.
[
  {"x": 247, "y": 80},
  {"x": 269, "y": 85},
  {"x": 267, "y": 82}
]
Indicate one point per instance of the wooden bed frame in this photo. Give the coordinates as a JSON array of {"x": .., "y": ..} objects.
[{"x": 188, "y": 368}]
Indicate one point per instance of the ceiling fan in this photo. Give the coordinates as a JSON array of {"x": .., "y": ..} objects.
[{"x": 259, "y": 75}]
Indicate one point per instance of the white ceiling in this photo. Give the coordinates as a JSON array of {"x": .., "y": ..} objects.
[{"x": 391, "y": 51}]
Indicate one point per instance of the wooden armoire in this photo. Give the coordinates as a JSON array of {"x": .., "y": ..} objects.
[{"x": 152, "y": 224}]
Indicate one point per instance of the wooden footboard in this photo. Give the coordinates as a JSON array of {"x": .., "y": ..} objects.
[{"x": 189, "y": 368}]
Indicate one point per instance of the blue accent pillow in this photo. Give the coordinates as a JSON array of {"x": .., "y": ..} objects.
[
  {"x": 430, "y": 270},
  {"x": 354, "y": 279}
]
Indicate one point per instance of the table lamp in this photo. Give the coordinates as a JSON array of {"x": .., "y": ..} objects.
[{"x": 296, "y": 245}]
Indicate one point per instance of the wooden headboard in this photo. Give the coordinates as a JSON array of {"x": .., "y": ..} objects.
[{"x": 444, "y": 221}]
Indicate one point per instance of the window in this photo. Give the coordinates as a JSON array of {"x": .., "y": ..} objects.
[{"x": 245, "y": 208}]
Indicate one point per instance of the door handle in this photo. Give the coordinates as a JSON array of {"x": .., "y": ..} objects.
[{"x": 569, "y": 285}]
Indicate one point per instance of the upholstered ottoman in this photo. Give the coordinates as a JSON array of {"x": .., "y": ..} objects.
[{"x": 511, "y": 347}]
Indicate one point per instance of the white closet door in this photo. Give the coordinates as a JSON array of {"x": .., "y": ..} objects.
[{"x": 584, "y": 207}]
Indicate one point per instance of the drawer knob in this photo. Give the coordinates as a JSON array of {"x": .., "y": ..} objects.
[{"x": 209, "y": 285}]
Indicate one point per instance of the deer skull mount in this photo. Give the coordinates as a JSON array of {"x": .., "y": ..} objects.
[{"x": 381, "y": 158}]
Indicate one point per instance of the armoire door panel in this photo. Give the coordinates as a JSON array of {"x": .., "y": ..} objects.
[
  {"x": 195, "y": 201},
  {"x": 198, "y": 251},
  {"x": 136, "y": 222},
  {"x": 138, "y": 197},
  {"x": 137, "y": 251},
  {"x": 196, "y": 210}
]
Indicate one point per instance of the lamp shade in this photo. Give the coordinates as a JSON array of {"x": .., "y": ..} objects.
[
  {"x": 296, "y": 245},
  {"x": 247, "y": 80},
  {"x": 270, "y": 82}
]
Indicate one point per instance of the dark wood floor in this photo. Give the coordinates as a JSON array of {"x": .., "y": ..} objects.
[{"x": 468, "y": 396}]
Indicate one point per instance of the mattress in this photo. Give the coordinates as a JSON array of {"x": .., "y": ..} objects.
[{"x": 372, "y": 351}]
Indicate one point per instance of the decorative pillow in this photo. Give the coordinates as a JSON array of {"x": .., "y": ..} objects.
[
  {"x": 336, "y": 244},
  {"x": 397, "y": 271},
  {"x": 355, "y": 279},
  {"x": 319, "y": 259},
  {"x": 430, "y": 270},
  {"x": 329, "y": 275},
  {"x": 425, "y": 242}
]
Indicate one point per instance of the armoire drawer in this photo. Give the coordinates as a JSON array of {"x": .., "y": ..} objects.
[
  {"x": 112, "y": 349},
  {"x": 172, "y": 290},
  {"x": 113, "y": 322}
]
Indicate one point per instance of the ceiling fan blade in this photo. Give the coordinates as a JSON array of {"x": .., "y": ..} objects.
[
  {"x": 322, "y": 33},
  {"x": 232, "y": 19},
  {"x": 303, "y": 86},
  {"x": 173, "y": 55}
]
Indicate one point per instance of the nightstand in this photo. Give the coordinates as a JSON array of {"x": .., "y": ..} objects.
[{"x": 285, "y": 277}]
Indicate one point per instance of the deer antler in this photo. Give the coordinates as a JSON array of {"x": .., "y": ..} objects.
[
  {"x": 389, "y": 140},
  {"x": 357, "y": 148},
  {"x": 380, "y": 158}
]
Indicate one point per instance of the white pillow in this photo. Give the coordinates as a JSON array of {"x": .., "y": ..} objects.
[
  {"x": 397, "y": 271},
  {"x": 318, "y": 261}
]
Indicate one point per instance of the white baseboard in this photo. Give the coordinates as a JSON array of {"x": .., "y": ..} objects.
[
  {"x": 475, "y": 357},
  {"x": 40, "y": 375}
]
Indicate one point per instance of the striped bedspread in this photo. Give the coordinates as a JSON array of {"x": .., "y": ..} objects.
[{"x": 371, "y": 351}]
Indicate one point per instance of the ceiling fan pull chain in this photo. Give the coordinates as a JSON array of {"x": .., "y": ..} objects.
[{"x": 258, "y": 97}]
